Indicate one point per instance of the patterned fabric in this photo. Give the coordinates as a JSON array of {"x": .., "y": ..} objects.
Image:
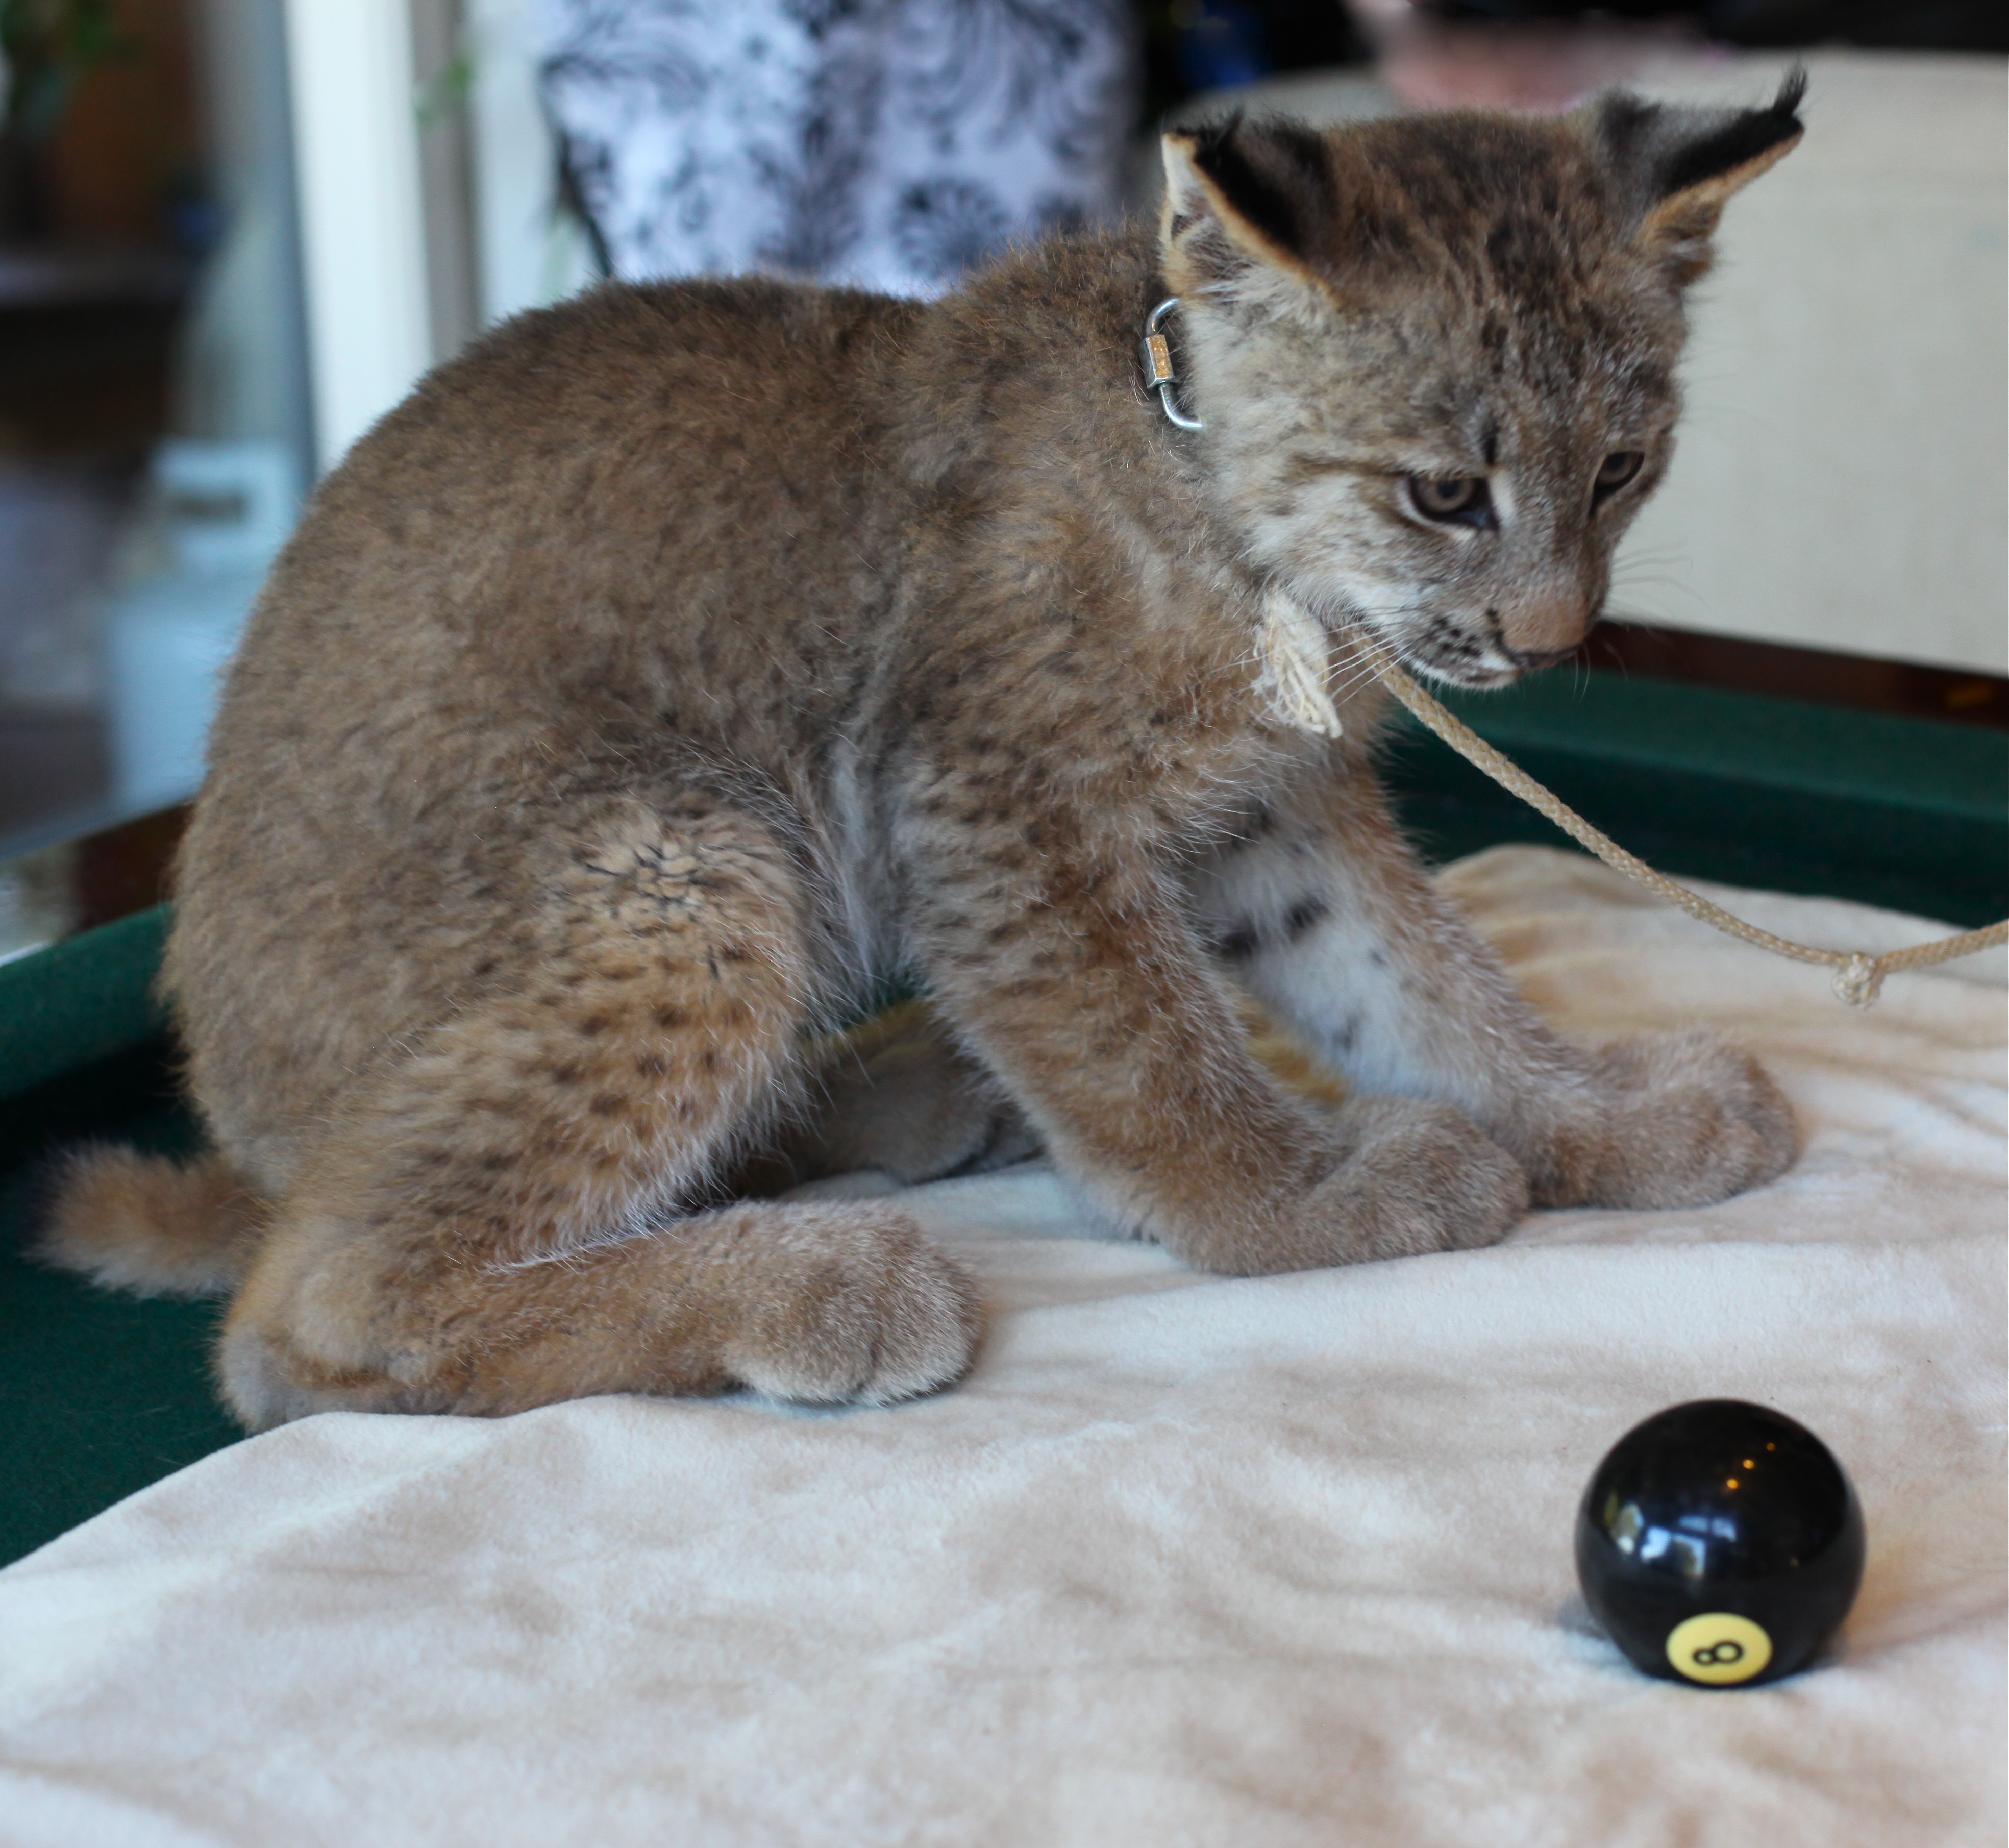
[{"x": 888, "y": 143}]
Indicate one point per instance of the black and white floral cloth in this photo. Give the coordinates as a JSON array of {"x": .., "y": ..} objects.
[{"x": 886, "y": 143}]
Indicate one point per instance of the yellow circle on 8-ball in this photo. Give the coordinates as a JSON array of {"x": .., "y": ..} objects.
[{"x": 1719, "y": 1648}]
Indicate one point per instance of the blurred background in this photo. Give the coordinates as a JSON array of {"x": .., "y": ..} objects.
[{"x": 232, "y": 233}]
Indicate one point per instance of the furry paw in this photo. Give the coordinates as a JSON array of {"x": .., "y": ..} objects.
[
  {"x": 870, "y": 1311},
  {"x": 1415, "y": 1177},
  {"x": 1687, "y": 1120},
  {"x": 898, "y": 1095},
  {"x": 1422, "y": 1177}
]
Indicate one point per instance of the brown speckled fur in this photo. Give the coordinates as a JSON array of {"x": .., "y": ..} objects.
[{"x": 682, "y": 660}]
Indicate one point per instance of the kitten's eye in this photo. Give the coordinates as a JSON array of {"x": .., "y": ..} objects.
[
  {"x": 1616, "y": 470},
  {"x": 1464, "y": 499}
]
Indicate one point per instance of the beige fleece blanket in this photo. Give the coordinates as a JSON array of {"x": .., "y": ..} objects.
[{"x": 1283, "y": 1561}]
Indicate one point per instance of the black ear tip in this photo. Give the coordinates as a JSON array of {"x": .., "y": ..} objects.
[
  {"x": 1792, "y": 93},
  {"x": 1210, "y": 137}
]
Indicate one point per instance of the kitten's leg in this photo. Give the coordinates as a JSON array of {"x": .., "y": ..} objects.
[
  {"x": 1069, "y": 970},
  {"x": 487, "y": 1225},
  {"x": 1323, "y": 912}
]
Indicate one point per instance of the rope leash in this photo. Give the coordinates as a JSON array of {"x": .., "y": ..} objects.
[{"x": 1858, "y": 977}]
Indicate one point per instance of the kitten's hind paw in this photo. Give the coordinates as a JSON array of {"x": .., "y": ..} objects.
[{"x": 860, "y": 1306}]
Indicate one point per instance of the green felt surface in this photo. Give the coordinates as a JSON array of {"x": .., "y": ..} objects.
[
  {"x": 1755, "y": 791},
  {"x": 103, "y": 1394},
  {"x": 80, "y": 1001}
]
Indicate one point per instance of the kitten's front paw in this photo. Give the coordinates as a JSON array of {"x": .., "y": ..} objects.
[
  {"x": 1415, "y": 1177},
  {"x": 1687, "y": 1120},
  {"x": 871, "y": 1311}
]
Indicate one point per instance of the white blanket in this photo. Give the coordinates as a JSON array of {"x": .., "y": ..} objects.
[{"x": 1186, "y": 1560}]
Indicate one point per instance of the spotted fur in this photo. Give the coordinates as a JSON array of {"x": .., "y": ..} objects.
[{"x": 684, "y": 661}]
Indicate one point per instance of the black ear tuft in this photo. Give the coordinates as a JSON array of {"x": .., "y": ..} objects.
[
  {"x": 1740, "y": 139},
  {"x": 1672, "y": 169},
  {"x": 1275, "y": 174}
]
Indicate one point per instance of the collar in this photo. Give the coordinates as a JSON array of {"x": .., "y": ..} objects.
[{"x": 1159, "y": 374}]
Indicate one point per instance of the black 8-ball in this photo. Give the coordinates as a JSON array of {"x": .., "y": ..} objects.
[{"x": 1720, "y": 1543}]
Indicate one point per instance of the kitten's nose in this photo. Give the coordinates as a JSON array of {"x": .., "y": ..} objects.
[{"x": 1540, "y": 630}]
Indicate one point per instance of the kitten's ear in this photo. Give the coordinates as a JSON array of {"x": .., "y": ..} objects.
[
  {"x": 1244, "y": 204},
  {"x": 1677, "y": 166}
]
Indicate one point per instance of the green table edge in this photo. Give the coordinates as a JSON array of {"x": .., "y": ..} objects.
[{"x": 81, "y": 1000}]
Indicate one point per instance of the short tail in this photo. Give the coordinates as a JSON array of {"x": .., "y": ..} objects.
[{"x": 161, "y": 1228}]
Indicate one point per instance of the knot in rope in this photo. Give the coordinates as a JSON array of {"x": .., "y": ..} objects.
[{"x": 1859, "y": 981}]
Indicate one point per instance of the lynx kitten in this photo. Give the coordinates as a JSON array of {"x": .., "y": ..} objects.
[{"x": 682, "y": 661}]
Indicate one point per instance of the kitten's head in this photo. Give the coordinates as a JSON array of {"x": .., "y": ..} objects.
[{"x": 1435, "y": 357}]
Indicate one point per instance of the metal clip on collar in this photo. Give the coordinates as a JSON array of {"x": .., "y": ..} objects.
[{"x": 1159, "y": 374}]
